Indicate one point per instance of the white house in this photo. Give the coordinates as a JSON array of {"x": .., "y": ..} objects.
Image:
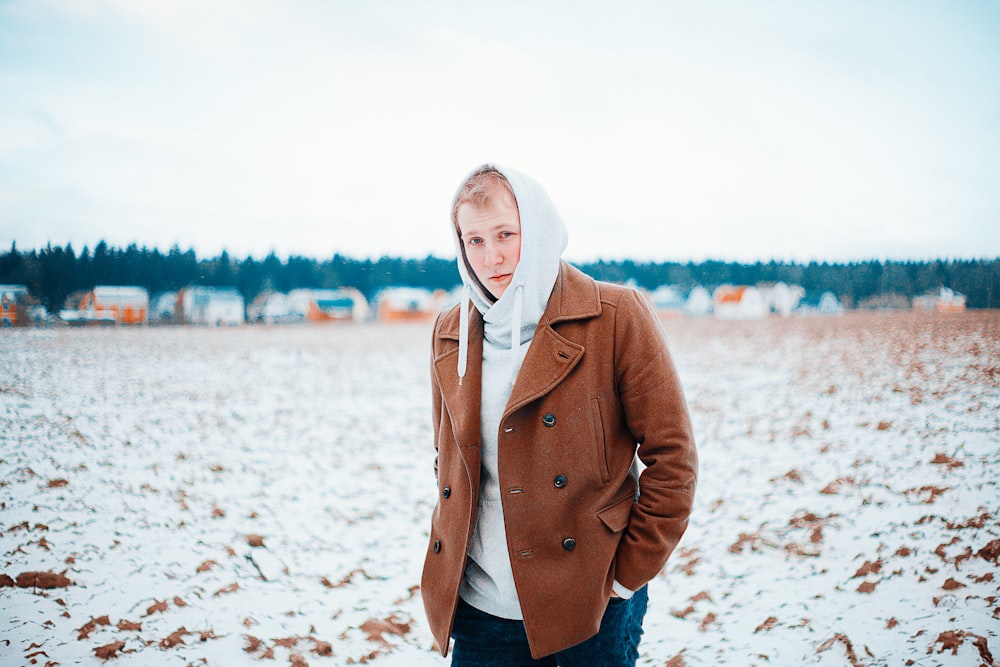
[{"x": 213, "y": 306}]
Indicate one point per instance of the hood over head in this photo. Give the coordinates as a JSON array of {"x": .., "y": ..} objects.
[{"x": 520, "y": 307}]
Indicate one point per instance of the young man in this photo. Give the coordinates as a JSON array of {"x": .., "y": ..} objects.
[{"x": 546, "y": 394}]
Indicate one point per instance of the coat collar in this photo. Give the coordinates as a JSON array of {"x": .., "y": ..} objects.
[
  {"x": 549, "y": 359},
  {"x": 574, "y": 296}
]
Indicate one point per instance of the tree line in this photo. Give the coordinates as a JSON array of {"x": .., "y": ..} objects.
[{"x": 53, "y": 273}]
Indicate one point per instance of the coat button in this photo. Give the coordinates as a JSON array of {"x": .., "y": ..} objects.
[
  {"x": 446, "y": 492},
  {"x": 569, "y": 544},
  {"x": 437, "y": 546},
  {"x": 549, "y": 419},
  {"x": 559, "y": 481}
]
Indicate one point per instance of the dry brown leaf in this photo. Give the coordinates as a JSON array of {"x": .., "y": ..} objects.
[
  {"x": 83, "y": 632},
  {"x": 252, "y": 644},
  {"x": 834, "y": 487},
  {"x": 851, "y": 657},
  {"x": 297, "y": 660},
  {"x": 109, "y": 651},
  {"x": 870, "y": 567},
  {"x": 677, "y": 660},
  {"x": 174, "y": 638},
  {"x": 42, "y": 580},
  {"x": 231, "y": 588},
  {"x": 751, "y": 539},
  {"x": 206, "y": 566},
  {"x": 945, "y": 460},
  {"x": 707, "y": 621},
  {"x": 990, "y": 552},
  {"x": 932, "y": 492},
  {"x": 156, "y": 606},
  {"x": 255, "y": 540},
  {"x": 322, "y": 648},
  {"x": 346, "y": 579},
  {"x": 128, "y": 626},
  {"x": 683, "y": 613},
  {"x": 6, "y": 581},
  {"x": 768, "y": 623},
  {"x": 951, "y": 585},
  {"x": 973, "y": 522},
  {"x": 375, "y": 629},
  {"x": 178, "y": 601},
  {"x": 867, "y": 586},
  {"x": 58, "y": 483}
]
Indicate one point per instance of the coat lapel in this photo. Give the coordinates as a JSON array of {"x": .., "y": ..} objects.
[
  {"x": 462, "y": 400},
  {"x": 550, "y": 356}
]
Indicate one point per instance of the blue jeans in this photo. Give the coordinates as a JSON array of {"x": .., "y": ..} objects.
[{"x": 482, "y": 640}]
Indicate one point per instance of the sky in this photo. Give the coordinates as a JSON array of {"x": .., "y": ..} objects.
[{"x": 737, "y": 130}]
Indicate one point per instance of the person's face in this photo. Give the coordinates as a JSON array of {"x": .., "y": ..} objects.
[{"x": 492, "y": 241}]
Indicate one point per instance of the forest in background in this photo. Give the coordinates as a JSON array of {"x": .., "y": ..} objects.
[{"x": 54, "y": 272}]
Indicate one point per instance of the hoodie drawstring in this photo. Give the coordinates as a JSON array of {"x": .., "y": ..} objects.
[{"x": 463, "y": 332}]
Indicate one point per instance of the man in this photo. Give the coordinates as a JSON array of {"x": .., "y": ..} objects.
[{"x": 546, "y": 395}]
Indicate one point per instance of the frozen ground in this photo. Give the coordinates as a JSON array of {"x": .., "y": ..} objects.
[{"x": 848, "y": 511}]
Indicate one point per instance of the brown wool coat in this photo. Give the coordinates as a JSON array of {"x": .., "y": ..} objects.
[{"x": 597, "y": 382}]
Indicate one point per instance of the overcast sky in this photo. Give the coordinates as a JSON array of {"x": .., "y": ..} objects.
[{"x": 736, "y": 130}]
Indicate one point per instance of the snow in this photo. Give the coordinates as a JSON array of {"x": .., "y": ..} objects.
[{"x": 837, "y": 454}]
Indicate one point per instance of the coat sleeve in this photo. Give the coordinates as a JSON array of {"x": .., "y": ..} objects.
[{"x": 657, "y": 416}]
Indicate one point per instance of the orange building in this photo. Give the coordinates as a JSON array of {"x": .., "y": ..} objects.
[
  {"x": 739, "y": 302},
  {"x": 111, "y": 304},
  {"x": 397, "y": 304},
  {"x": 946, "y": 300},
  {"x": 13, "y": 305}
]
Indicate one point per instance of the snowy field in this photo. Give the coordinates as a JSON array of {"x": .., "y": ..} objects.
[{"x": 262, "y": 495}]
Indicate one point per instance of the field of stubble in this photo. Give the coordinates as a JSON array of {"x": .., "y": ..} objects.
[{"x": 182, "y": 496}]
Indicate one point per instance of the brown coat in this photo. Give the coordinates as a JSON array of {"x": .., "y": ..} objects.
[{"x": 597, "y": 382}]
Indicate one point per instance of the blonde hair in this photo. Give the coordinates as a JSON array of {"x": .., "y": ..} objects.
[{"x": 483, "y": 190}]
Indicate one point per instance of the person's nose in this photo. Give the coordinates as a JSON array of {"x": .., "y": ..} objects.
[{"x": 494, "y": 257}]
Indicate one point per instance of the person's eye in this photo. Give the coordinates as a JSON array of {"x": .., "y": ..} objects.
[
  {"x": 474, "y": 241},
  {"x": 507, "y": 235}
]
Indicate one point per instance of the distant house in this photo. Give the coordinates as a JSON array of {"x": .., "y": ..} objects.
[
  {"x": 406, "y": 303},
  {"x": 829, "y": 305},
  {"x": 329, "y": 305},
  {"x": 109, "y": 304},
  {"x": 699, "y": 302},
  {"x": 782, "y": 298},
  {"x": 13, "y": 305},
  {"x": 309, "y": 305},
  {"x": 946, "y": 300},
  {"x": 739, "y": 302},
  {"x": 212, "y": 306},
  {"x": 271, "y": 308},
  {"x": 668, "y": 302}
]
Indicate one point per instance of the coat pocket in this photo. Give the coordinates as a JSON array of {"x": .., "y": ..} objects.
[
  {"x": 616, "y": 515},
  {"x": 597, "y": 424}
]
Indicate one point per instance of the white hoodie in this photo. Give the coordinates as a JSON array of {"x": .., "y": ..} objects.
[{"x": 489, "y": 583}]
